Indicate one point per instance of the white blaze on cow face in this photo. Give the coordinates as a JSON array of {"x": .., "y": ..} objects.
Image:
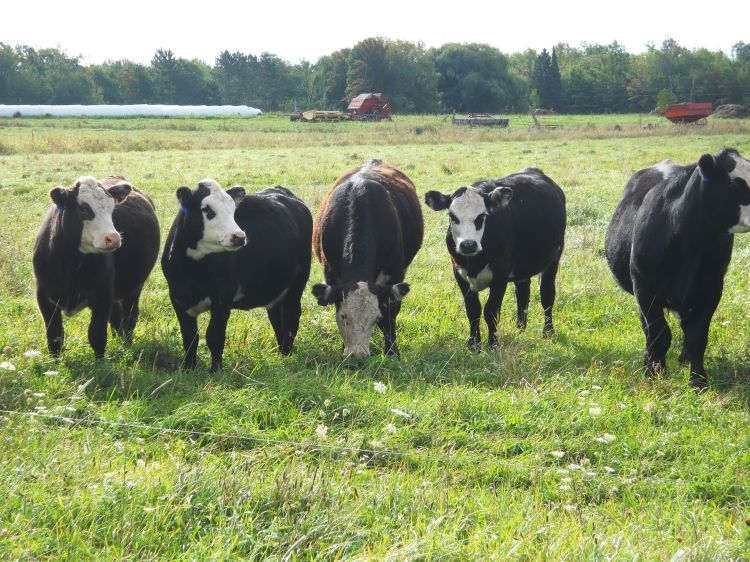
[
  {"x": 742, "y": 170},
  {"x": 356, "y": 316},
  {"x": 220, "y": 232},
  {"x": 98, "y": 234},
  {"x": 467, "y": 214}
]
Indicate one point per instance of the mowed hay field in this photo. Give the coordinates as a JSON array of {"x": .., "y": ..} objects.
[{"x": 541, "y": 449}]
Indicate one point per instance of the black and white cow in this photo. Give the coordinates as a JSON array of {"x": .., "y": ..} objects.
[
  {"x": 669, "y": 243},
  {"x": 501, "y": 230},
  {"x": 97, "y": 245},
  {"x": 228, "y": 250},
  {"x": 367, "y": 232}
]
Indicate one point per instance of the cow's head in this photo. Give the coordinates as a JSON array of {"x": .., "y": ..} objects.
[
  {"x": 209, "y": 218},
  {"x": 359, "y": 306},
  {"x": 468, "y": 208},
  {"x": 725, "y": 178},
  {"x": 87, "y": 208}
]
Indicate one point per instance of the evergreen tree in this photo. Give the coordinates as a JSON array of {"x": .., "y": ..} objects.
[{"x": 554, "y": 87}]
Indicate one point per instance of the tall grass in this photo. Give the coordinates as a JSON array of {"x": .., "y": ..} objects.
[{"x": 540, "y": 449}]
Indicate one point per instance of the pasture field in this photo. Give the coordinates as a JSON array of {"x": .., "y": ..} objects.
[{"x": 542, "y": 449}]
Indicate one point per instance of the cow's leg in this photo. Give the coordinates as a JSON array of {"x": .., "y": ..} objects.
[
  {"x": 655, "y": 328},
  {"x": 523, "y": 294},
  {"x": 130, "y": 313},
  {"x": 189, "y": 331},
  {"x": 473, "y": 312},
  {"x": 387, "y": 324},
  {"x": 53, "y": 325},
  {"x": 115, "y": 318},
  {"x": 695, "y": 328},
  {"x": 547, "y": 294},
  {"x": 100, "y": 311},
  {"x": 492, "y": 307},
  {"x": 216, "y": 335}
]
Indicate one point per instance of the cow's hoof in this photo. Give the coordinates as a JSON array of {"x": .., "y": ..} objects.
[
  {"x": 684, "y": 358},
  {"x": 698, "y": 382},
  {"x": 474, "y": 344},
  {"x": 548, "y": 331}
]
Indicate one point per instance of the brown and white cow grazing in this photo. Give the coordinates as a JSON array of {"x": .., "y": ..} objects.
[
  {"x": 367, "y": 232},
  {"x": 95, "y": 248}
]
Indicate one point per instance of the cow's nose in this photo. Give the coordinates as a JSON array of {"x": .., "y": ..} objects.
[
  {"x": 112, "y": 240},
  {"x": 238, "y": 238},
  {"x": 356, "y": 352},
  {"x": 468, "y": 246}
]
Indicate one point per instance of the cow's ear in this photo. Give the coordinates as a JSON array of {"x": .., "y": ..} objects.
[
  {"x": 501, "y": 196},
  {"x": 437, "y": 201},
  {"x": 325, "y": 294},
  {"x": 237, "y": 193},
  {"x": 120, "y": 191},
  {"x": 184, "y": 196},
  {"x": 398, "y": 291},
  {"x": 59, "y": 196},
  {"x": 707, "y": 166}
]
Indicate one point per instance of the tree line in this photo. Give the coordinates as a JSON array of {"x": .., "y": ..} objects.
[{"x": 452, "y": 78}]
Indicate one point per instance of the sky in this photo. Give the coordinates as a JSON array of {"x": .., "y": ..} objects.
[{"x": 294, "y": 30}]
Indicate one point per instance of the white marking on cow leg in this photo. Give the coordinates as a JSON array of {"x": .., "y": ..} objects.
[{"x": 199, "y": 308}]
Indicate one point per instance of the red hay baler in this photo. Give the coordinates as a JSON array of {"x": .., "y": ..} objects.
[{"x": 369, "y": 107}]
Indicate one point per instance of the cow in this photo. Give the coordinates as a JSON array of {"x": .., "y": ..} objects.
[
  {"x": 98, "y": 242},
  {"x": 500, "y": 230},
  {"x": 367, "y": 232},
  {"x": 231, "y": 250},
  {"x": 669, "y": 243}
]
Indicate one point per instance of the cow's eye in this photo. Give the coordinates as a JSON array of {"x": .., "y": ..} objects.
[
  {"x": 454, "y": 218},
  {"x": 209, "y": 212},
  {"x": 479, "y": 221},
  {"x": 87, "y": 212}
]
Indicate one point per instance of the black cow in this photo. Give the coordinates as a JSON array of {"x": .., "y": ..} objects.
[
  {"x": 228, "y": 250},
  {"x": 96, "y": 246},
  {"x": 501, "y": 230},
  {"x": 367, "y": 232},
  {"x": 669, "y": 243}
]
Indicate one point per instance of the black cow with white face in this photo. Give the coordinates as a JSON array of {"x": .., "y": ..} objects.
[
  {"x": 230, "y": 250},
  {"x": 97, "y": 245},
  {"x": 367, "y": 232},
  {"x": 669, "y": 244},
  {"x": 501, "y": 230}
]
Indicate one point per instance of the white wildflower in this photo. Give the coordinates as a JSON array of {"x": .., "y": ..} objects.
[
  {"x": 51, "y": 373},
  {"x": 609, "y": 437},
  {"x": 557, "y": 454},
  {"x": 321, "y": 431},
  {"x": 595, "y": 411},
  {"x": 649, "y": 407},
  {"x": 609, "y": 469},
  {"x": 7, "y": 366},
  {"x": 32, "y": 354},
  {"x": 596, "y": 387},
  {"x": 564, "y": 487},
  {"x": 345, "y": 412},
  {"x": 390, "y": 428},
  {"x": 39, "y": 394},
  {"x": 380, "y": 388}
]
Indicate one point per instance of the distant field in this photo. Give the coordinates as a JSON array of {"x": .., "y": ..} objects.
[{"x": 541, "y": 449}]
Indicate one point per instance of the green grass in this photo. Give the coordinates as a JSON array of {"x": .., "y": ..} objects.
[{"x": 541, "y": 449}]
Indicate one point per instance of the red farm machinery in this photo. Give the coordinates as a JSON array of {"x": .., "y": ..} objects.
[
  {"x": 369, "y": 107},
  {"x": 688, "y": 112}
]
